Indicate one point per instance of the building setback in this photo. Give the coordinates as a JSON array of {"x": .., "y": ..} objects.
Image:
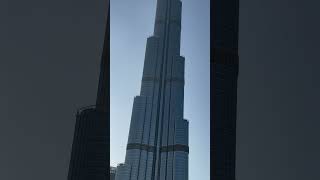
[
  {"x": 89, "y": 157},
  {"x": 157, "y": 146},
  {"x": 224, "y": 75}
]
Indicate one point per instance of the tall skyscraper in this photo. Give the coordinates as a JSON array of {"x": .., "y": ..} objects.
[
  {"x": 89, "y": 156},
  {"x": 157, "y": 146},
  {"x": 224, "y": 75}
]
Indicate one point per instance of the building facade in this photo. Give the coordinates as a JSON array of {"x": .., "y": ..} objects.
[
  {"x": 224, "y": 76},
  {"x": 89, "y": 157},
  {"x": 157, "y": 146},
  {"x": 113, "y": 171}
]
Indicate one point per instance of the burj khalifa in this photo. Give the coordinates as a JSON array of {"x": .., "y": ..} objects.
[{"x": 157, "y": 146}]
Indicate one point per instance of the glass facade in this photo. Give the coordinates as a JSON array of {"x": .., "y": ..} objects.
[
  {"x": 113, "y": 171},
  {"x": 158, "y": 138}
]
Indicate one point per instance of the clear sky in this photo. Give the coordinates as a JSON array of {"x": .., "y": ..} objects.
[{"x": 131, "y": 23}]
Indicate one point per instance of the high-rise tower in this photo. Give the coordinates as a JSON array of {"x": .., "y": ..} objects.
[
  {"x": 224, "y": 75},
  {"x": 89, "y": 156},
  {"x": 157, "y": 146}
]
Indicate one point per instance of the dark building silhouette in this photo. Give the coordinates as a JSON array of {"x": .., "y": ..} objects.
[
  {"x": 224, "y": 75},
  {"x": 89, "y": 156},
  {"x": 157, "y": 146}
]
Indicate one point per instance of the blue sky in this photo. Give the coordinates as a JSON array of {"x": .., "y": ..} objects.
[{"x": 132, "y": 23}]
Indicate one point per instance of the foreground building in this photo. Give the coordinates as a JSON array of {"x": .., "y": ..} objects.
[
  {"x": 224, "y": 75},
  {"x": 89, "y": 156},
  {"x": 157, "y": 146}
]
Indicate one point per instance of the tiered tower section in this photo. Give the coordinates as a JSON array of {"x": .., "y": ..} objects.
[{"x": 158, "y": 138}]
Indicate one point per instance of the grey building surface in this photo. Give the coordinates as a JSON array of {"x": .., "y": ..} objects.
[
  {"x": 224, "y": 76},
  {"x": 113, "y": 171},
  {"x": 157, "y": 146},
  {"x": 89, "y": 156}
]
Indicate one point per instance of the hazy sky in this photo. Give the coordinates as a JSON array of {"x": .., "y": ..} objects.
[{"x": 132, "y": 23}]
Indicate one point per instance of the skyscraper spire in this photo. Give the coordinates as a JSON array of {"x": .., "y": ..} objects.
[
  {"x": 158, "y": 138},
  {"x": 89, "y": 157},
  {"x": 102, "y": 101}
]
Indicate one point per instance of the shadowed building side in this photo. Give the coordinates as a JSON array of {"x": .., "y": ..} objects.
[
  {"x": 89, "y": 150},
  {"x": 89, "y": 157},
  {"x": 224, "y": 75}
]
